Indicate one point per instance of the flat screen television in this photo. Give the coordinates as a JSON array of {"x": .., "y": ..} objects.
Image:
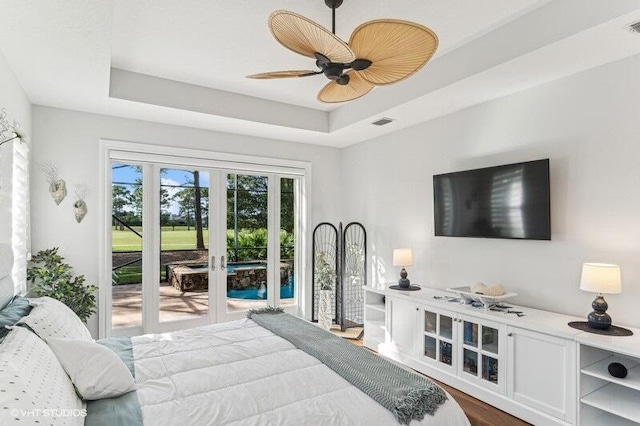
[{"x": 510, "y": 201}]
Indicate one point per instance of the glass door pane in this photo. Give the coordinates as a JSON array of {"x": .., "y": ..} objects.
[
  {"x": 490, "y": 369},
  {"x": 126, "y": 245},
  {"x": 287, "y": 241},
  {"x": 184, "y": 244},
  {"x": 247, "y": 240}
]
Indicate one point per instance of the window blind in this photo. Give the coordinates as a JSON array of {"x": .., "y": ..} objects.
[{"x": 20, "y": 218}]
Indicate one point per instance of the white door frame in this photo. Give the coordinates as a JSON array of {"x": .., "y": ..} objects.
[{"x": 153, "y": 157}]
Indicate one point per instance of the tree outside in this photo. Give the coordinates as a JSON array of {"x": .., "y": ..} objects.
[{"x": 184, "y": 215}]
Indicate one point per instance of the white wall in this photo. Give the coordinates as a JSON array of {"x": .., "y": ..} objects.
[
  {"x": 70, "y": 140},
  {"x": 588, "y": 125}
]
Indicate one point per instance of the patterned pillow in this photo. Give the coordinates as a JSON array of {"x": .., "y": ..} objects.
[
  {"x": 34, "y": 387},
  {"x": 12, "y": 313},
  {"x": 51, "y": 318}
]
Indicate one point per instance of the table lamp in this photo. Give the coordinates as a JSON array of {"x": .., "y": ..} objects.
[
  {"x": 600, "y": 278},
  {"x": 403, "y": 257}
]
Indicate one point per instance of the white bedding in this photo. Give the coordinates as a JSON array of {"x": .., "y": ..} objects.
[{"x": 239, "y": 373}]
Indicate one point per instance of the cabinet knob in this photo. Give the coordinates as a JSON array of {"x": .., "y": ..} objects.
[
  {"x": 417, "y": 309},
  {"x": 510, "y": 334}
]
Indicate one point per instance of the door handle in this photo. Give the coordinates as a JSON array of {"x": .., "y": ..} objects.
[
  {"x": 213, "y": 263},
  {"x": 223, "y": 263}
]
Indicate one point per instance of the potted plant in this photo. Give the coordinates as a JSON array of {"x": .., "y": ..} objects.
[
  {"x": 50, "y": 276},
  {"x": 326, "y": 278}
]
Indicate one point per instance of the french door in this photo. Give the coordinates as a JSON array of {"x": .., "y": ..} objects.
[{"x": 192, "y": 241}]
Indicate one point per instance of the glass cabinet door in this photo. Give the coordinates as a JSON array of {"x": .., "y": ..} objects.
[
  {"x": 480, "y": 352},
  {"x": 439, "y": 333}
]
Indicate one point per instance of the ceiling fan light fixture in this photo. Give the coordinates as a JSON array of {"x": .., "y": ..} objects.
[
  {"x": 361, "y": 64},
  {"x": 380, "y": 52},
  {"x": 334, "y": 92}
]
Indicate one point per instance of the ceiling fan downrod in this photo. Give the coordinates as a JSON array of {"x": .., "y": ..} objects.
[{"x": 333, "y": 4}]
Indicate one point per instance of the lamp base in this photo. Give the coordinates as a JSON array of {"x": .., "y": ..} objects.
[
  {"x": 403, "y": 282},
  {"x": 599, "y": 318}
]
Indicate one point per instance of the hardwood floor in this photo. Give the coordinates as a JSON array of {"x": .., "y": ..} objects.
[{"x": 478, "y": 412}]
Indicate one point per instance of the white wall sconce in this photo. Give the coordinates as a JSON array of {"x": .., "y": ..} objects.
[
  {"x": 79, "y": 203},
  {"x": 57, "y": 186}
]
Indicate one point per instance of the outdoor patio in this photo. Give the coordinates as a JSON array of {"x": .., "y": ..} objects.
[{"x": 174, "y": 304}]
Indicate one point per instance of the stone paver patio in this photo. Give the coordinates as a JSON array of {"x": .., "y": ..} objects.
[{"x": 174, "y": 304}]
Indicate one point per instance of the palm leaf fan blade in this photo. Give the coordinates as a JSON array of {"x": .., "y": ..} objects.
[
  {"x": 283, "y": 74},
  {"x": 303, "y": 36},
  {"x": 397, "y": 49},
  {"x": 334, "y": 92}
]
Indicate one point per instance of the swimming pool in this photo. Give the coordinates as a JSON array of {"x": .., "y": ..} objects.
[
  {"x": 257, "y": 274},
  {"x": 286, "y": 292}
]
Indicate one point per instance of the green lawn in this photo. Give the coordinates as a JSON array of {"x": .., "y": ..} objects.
[{"x": 178, "y": 239}]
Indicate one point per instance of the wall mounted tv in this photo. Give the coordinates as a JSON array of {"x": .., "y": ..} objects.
[{"x": 510, "y": 201}]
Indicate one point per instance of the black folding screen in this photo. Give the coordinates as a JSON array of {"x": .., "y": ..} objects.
[{"x": 346, "y": 251}]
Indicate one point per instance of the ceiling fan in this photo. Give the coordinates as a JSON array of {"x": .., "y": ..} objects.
[{"x": 379, "y": 52}]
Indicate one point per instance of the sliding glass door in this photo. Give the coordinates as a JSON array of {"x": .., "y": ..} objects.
[
  {"x": 184, "y": 244},
  {"x": 192, "y": 244}
]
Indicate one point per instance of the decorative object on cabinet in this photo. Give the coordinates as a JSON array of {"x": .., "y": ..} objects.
[
  {"x": 345, "y": 252},
  {"x": 617, "y": 370},
  {"x": 614, "y": 330},
  {"x": 57, "y": 186},
  {"x": 600, "y": 278},
  {"x": 487, "y": 300},
  {"x": 410, "y": 288},
  {"x": 80, "y": 205},
  {"x": 403, "y": 257}
]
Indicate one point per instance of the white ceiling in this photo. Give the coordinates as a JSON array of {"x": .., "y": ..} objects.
[{"x": 185, "y": 62}]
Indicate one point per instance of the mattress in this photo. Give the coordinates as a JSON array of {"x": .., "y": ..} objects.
[{"x": 238, "y": 373}]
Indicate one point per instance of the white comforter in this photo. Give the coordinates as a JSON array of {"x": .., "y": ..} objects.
[{"x": 239, "y": 373}]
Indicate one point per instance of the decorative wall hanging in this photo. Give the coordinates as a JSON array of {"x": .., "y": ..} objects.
[
  {"x": 57, "y": 186},
  {"x": 347, "y": 256},
  {"x": 79, "y": 204},
  {"x": 9, "y": 131}
]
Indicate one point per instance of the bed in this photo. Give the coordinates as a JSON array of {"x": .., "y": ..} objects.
[{"x": 235, "y": 373}]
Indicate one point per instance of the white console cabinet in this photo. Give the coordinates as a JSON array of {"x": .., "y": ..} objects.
[
  {"x": 375, "y": 319},
  {"x": 525, "y": 365},
  {"x": 464, "y": 345},
  {"x": 541, "y": 372},
  {"x": 402, "y": 324},
  {"x": 603, "y": 399}
]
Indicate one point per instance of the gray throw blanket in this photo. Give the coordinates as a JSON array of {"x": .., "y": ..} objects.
[{"x": 407, "y": 395}]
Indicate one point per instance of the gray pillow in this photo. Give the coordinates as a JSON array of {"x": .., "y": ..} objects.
[{"x": 12, "y": 313}]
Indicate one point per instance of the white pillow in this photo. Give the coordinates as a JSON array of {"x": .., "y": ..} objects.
[
  {"x": 51, "y": 318},
  {"x": 34, "y": 387},
  {"x": 95, "y": 370}
]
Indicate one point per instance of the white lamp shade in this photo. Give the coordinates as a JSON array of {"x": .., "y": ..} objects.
[
  {"x": 402, "y": 257},
  {"x": 601, "y": 278}
]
